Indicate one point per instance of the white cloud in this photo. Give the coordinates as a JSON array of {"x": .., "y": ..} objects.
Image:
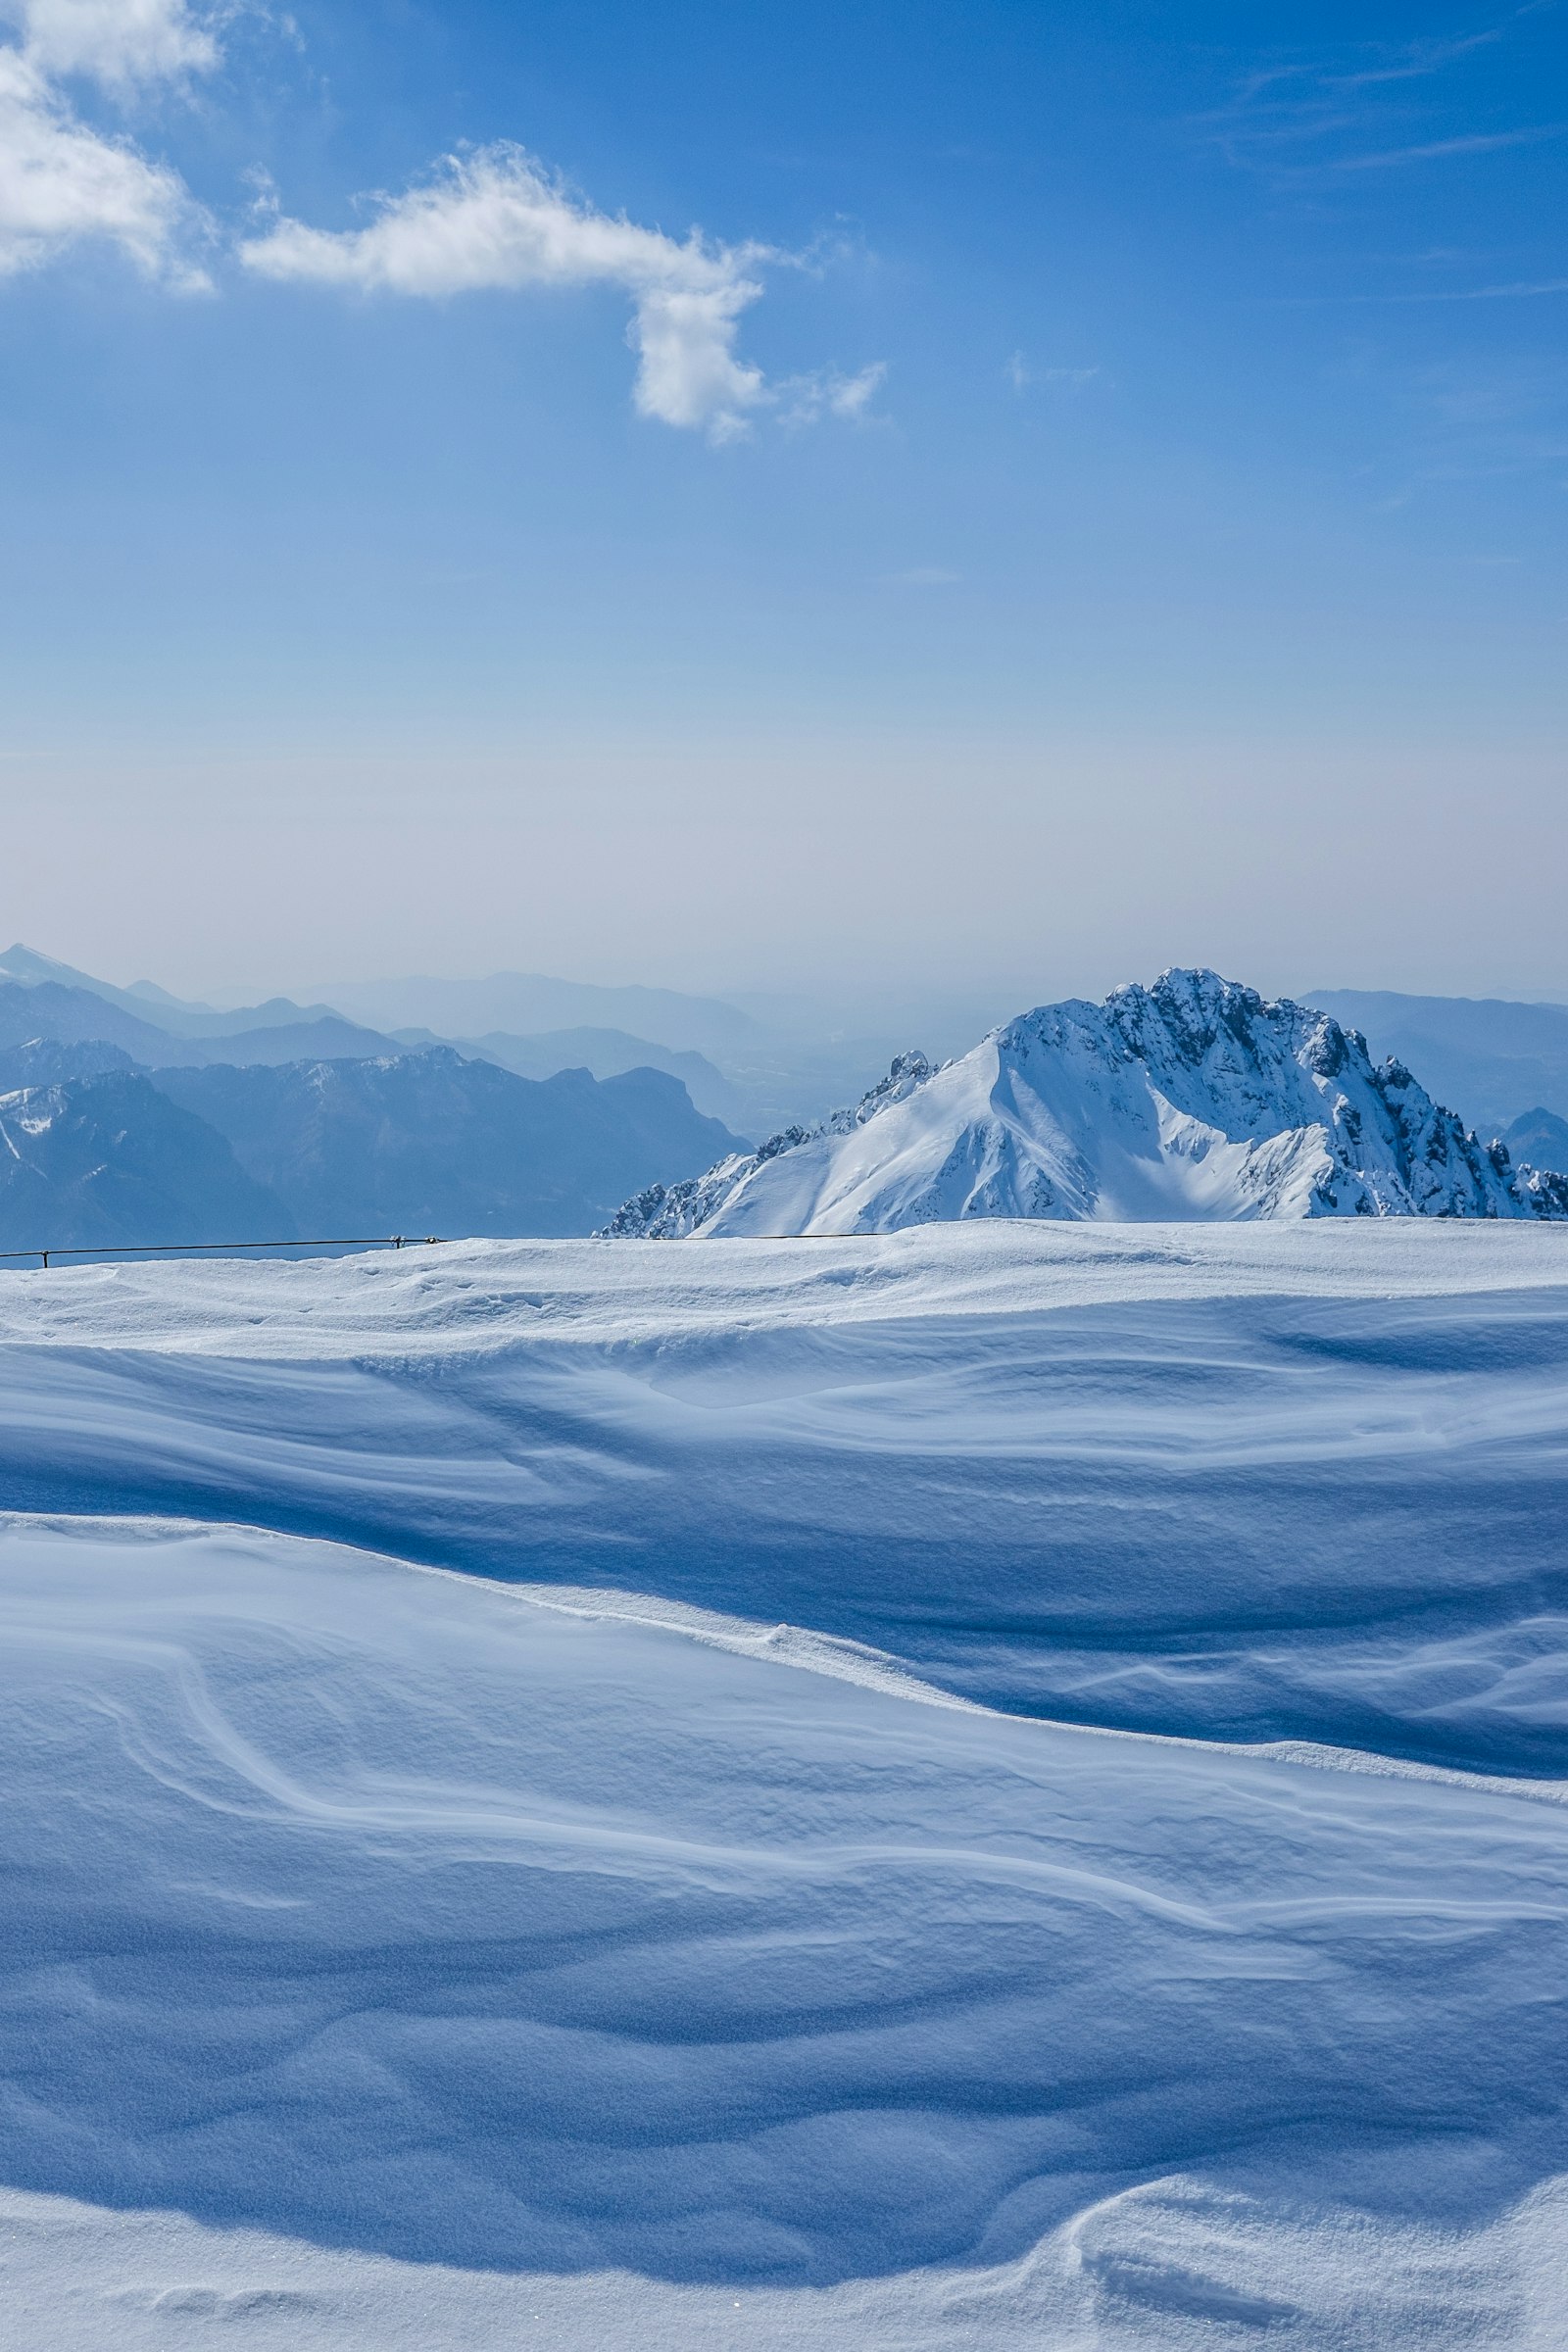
[
  {"x": 63, "y": 182},
  {"x": 493, "y": 219},
  {"x": 807, "y": 398},
  {"x": 1020, "y": 375},
  {"x": 497, "y": 218},
  {"x": 118, "y": 42},
  {"x": 684, "y": 337}
]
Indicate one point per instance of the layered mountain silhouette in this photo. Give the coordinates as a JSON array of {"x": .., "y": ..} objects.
[
  {"x": 96, "y": 1157},
  {"x": 128, "y": 1116},
  {"x": 68, "y": 1015},
  {"x": 433, "y": 1142}
]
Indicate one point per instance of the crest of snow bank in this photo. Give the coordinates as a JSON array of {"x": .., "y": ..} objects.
[
  {"x": 380, "y": 1912},
  {"x": 1183, "y": 2259},
  {"x": 471, "y": 1300},
  {"x": 1196, "y": 1100}
]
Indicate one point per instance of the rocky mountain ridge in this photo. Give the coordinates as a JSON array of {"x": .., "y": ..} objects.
[{"x": 1195, "y": 1099}]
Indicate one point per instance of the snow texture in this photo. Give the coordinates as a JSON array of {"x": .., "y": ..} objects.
[
  {"x": 1225, "y": 1481},
  {"x": 1194, "y": 1098},
  {"x": 701, "y": 1926}
]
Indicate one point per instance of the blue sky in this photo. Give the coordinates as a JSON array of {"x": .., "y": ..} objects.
[{"x": 1092, "y": 494}]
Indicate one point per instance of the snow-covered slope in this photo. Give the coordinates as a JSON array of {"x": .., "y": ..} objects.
[
  {"x": 389, "y": 1914},
  {"x": 92, "y": 1162},
  {"x": 1244, "y": 1482},
  {"x": 1194, "y": 1098},
  {"x": 722, "y": 1956}
]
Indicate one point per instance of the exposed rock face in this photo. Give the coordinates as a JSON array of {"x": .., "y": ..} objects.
[{"x": 1196, "y": 1099}]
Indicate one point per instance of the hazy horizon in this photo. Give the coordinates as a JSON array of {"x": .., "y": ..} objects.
[
  {"x": 1310, "y": 886},
  {"x": 806, "y": 502},
  {"x": 922, "y": 1012}
]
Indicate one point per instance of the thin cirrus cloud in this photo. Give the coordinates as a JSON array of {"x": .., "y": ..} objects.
[
  {"x": 497, "y": 220},
  {"x": 1485, "y": 142},
  {"x": 64, "y": 183},
  {"x": 1022, "y": 374}
]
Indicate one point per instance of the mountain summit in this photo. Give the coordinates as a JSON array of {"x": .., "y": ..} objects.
[{"x": 1196, "y": 1100}]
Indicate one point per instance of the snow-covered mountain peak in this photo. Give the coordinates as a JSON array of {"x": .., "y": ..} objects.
[{"x": 1193, "y": 1099}]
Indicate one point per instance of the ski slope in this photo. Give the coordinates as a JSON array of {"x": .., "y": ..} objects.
[{"x": 1000, "y": 1785}]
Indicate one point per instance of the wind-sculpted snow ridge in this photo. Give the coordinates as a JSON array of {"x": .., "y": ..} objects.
[
  {"x": 1230, "y": 1481},
  {"x": 388, "y": 1962},
  {"x": 1194, "y": 1098},
  {"x": 620, "y": 1938}
]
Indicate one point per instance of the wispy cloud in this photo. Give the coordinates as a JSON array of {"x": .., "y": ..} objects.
[
  {"x": 806, "y": 399},
  {"x": 63, "y": 182},
  {"x": 1523, "y": 290},
  {"x": 1303, "y": 116},
  {"x": 1438, "y": 149},
  {"x": 1418, "y": 59},
  {"x": 497, "y": 218},
  {"x": 1520, "y": 290},
  {"x": 1023, "y": 374}
]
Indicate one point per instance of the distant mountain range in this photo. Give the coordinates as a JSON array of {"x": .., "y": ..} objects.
[
  {"x": 1539, "y": 1137},
  {"x": 603, "y": 1052},
  {"x": 131, "y": 1115},
  {"x": 1193, "y": 1099},
  {"x": 434, "y": 1142},
  {"x": 154, "y": 1008},
  {"x": 51, "y": 1008},
  {"x": 425, "y": 1143},
  {"x": 1492, "y": 1060},
  {"x": 528, "y": 1003},
  {"x": 98, "y": 1161},
  {"x": 295, "y": 1124}
]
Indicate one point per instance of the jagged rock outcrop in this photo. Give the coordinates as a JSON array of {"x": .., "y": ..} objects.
[{"x": 1193, "y": 1099}]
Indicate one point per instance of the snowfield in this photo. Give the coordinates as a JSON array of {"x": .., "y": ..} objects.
[{"x": 998, "y": 1785}]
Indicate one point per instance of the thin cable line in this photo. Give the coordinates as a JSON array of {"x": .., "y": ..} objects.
[{"x": 353, "y": 1241}]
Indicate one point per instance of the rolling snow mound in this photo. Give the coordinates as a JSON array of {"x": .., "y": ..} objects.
[
  {"x": 1193, "y": 1099},
  {"x": 994, "y": 1786}
]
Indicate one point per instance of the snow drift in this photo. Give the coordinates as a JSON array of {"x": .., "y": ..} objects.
[
  {"x": 1233, "y": 1482},
  {"x": 395, "y": 1958},
  {"x": 391, "y": 1913},
  {"x": 1196, "y": 1099}
]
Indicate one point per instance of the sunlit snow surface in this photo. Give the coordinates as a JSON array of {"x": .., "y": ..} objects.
[{"x": 405, "y": 1958}]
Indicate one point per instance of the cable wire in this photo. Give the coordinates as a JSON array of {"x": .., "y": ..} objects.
[{"x": 358, "y": 1241}]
